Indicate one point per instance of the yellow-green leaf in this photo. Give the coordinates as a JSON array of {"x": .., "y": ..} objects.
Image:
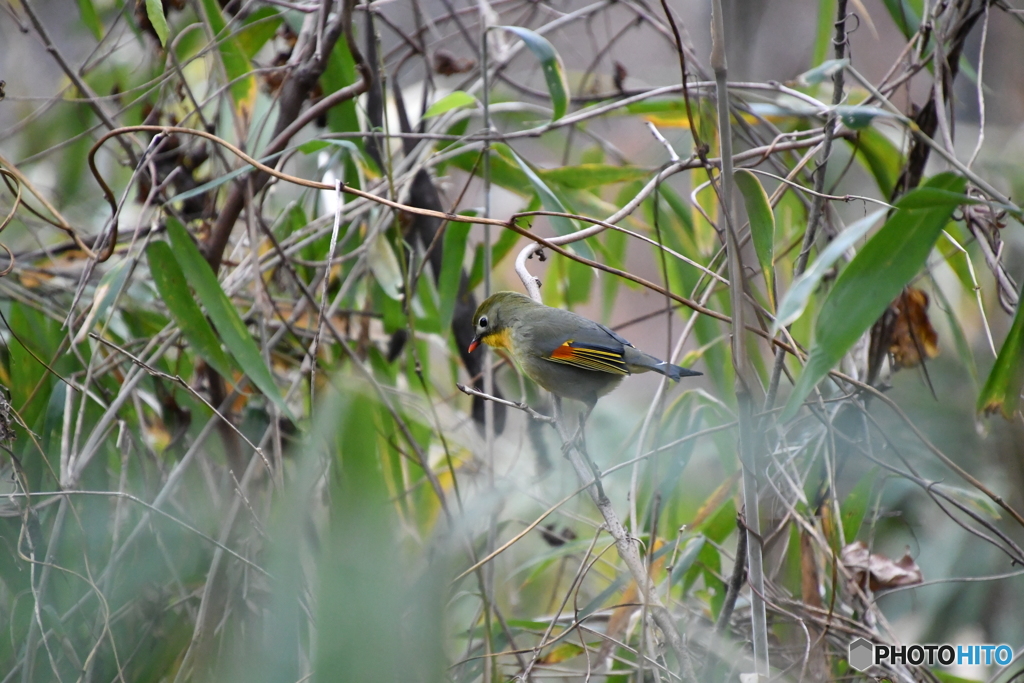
[
  {"x": 551, "y": 64},
  {"x": 155, "y": 11},
  {"x": 243, "y": 86},
  {"x": 456, "y": 100},
  {"x": 1003, "y": 386},
  {"x": 762, "y": 224}
]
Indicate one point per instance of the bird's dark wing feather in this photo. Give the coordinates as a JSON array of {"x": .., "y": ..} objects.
[
  {"x": 589, "y": 345},
  {"x": 613, "y": 335}
]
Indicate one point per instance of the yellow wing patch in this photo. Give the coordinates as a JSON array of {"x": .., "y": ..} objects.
[{"x": 590, "y": 358}]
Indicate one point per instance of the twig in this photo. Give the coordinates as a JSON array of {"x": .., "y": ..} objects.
[
  {"x": 746, "y": 379},
  {"x": 540, "y": 417}
]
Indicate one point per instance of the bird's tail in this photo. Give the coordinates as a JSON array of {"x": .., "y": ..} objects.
[{"x": 673, "y": 372}]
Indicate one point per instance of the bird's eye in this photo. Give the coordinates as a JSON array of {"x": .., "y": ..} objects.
[{"x": 482, "y": 323}]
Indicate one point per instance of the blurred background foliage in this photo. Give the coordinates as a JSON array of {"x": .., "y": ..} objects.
[{"x": 234, "y": 441}]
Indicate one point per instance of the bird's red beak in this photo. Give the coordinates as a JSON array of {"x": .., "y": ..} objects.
[{"x": 473, "y": 344}]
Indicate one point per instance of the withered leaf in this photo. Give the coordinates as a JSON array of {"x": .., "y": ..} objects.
[
  {"x": 880, "y": 571},
  {"x": 447, "y": 64},
  {"x": 912, "y": 332}
]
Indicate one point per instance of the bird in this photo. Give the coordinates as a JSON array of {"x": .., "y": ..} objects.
[{"x": 567, "y": 354}]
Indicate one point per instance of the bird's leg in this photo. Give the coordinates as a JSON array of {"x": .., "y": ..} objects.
[
  {"x": 581, "y": 431},
  {"x": 582, "y": 447},
  {"x": 579, "y": 440}
]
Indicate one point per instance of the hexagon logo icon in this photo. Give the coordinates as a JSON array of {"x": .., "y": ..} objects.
[{"x": 862, "y": 654}]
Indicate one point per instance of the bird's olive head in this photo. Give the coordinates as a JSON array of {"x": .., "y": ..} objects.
[{"x": 493, "y": 317}]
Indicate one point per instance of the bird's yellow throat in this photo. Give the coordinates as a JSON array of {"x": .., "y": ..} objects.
[{"x": 499, "y": 340}]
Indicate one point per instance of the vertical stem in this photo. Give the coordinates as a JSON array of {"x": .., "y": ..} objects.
[
  {"x": 746, "y": 381},
  {"x": 492, "y": 533},
  {"x": 818, "y": 205}
]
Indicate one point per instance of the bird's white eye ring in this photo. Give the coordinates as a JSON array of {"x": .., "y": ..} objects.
[{"x": 482, "y": 323}]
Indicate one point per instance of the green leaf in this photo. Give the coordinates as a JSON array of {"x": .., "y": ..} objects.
[
  {"x": 424, "y": 307},
  {"x": 906, "y": 19},
  {"x": 1003, "y": 386},
  {"x": 222, "y": 312},
  {"x": 687, "y": 556},
  {"x": 881, "y": 157},
  {"x": 171, "y": 284},
  {"x": 453, "y": 253},
  {"x": 588, "y": 176},
  {"x": 384, "y": 266},
  {"x": 823, "y": 71},
  {"x": 551, "y": 64},
  {"x": 857, "y": 117},
  {"x": 91, "y": 18},
  {"x": 825, "y": 31},
  {"x": 341, "y": 71},
  {"x": 928, "y": 197},
  {"x": 548, "y": 199},
  {"x": 455, "y": 100},
  {"x": 762, "y": 224},
  {"x": 499, "y": 251},
  {"x": 260, "y": 26},
  {"x": 578, "y": 280},
  {"x": 799, "y": 293},
  {"x": 106, "y": 291},
  {"x": 855, "y": 506},
  {"x": 867, "y": 286},
  {"x": 504, "y": 173},
  {"x": 972, "y": 499},
  {"x": 220, "y": 180},
  {"x": 155, "y": 12},
  {"x": 243, "y": 86}
]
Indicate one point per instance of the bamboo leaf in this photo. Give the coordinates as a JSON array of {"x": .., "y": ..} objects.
[
  {"x": 155, "y": 12},
  {"x": 551, "y": 64},
  {"x": 799, "y": 293},
  {"x": 341, "y": 71},
  {"x": 222, "y": 312},
  {"x": 823, "y": 71},
  {"x": 455, "y": 100},
  {"x": 855, "y": 506},
  {"x": 857, "y": 117},
  {"x": 1003, "y": 386},
  {"x": 589, "y": 176},
  {"x": 453, "y": 253},
  {"x": 384, "y": 266},
  {"x": 106, "y": 291},
  {"x": 242, "y": 86},
  {"x": 260, "y": 26},
  {"x": 878, "y": 273},
  {"x": 823, "y": 35},
  {"x": 762, "y": 224},
  {"x": 499, "y": 251},
  {"x": 91, "y": 18},
  {"x": 904, "y": 16},
  {"x": 551, "y": 202},
  {"x": 171, "y": 284},
  {"x": 881, "y": 157}
]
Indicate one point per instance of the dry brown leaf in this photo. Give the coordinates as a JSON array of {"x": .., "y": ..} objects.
[
  {"x": 912, "y": 332},
  {"x": 447, "y": 64},
  {"x": 881, "y": 571}
]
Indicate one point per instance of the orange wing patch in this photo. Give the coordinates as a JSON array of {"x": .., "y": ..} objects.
[{"x": 590, "y": 357}]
